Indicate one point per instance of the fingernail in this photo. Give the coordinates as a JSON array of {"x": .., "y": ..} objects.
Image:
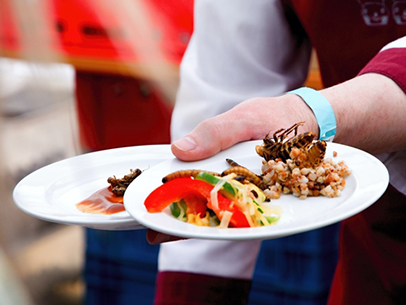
[{"x": 185, "y": 144}]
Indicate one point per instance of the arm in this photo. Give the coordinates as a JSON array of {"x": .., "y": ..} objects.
[
  {"x": 370, "y": 110},
  {"x": 373, "y": 115}
]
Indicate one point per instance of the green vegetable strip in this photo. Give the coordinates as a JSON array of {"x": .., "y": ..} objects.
[
  {"x": 260, "y": 210},
  {"x": 227, "y": 189},
  {"x": 178, "y": 210},
  {"x": 272, "y": 219}
]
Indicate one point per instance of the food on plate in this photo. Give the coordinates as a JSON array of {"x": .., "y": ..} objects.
[
  {"x": 326, "y": 179},
  {"x": 278, "y": 147},
  {"x": 298, "y": 166},
  {"x": 185, "y": 173},
  {"x": 243, "y": 174},
  {"x": 213, "y": 200},
  {"x": 103, "y": 201},
  {"x": 118, "y": 186},
  {"x": 239, "y": 197},
  {"x": 109, "y": 200}
]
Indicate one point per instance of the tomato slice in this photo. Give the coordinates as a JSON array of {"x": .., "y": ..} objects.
[{"x": 196, "y": 194}]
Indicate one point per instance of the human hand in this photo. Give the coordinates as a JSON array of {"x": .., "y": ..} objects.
[
  {"x": 250, "y": 120},
  {"x": 156, "y": 238}
]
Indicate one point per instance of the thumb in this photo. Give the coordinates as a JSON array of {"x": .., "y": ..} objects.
[{"x": 211, "y": 136}]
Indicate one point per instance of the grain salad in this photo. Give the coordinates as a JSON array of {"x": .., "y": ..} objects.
[{"x": 326, "y": 179}]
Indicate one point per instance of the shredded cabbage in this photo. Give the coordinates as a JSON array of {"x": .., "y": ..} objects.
[
  {"x": 249, "y": 199},
  {"x": 213, "y": 193},
  {"x": 256, "y": 209},
  {"x": 225, "y": 219}
]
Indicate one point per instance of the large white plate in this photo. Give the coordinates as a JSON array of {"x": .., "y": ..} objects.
[
  {"x": 51, "y": 193},
  {"x": 367, "y": 182}
]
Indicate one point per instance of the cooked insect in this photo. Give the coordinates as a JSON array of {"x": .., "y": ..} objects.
[
  {"x": 248, "y": 175},
  {"x": 243, "y": 174},
  {"x": 311, "y": 155},
  {"x": 119, "y": 186},
  {"x": 279, "y": 147},
  {"x": 186, "y": 173},
  {"x": 232, "y": 162}
]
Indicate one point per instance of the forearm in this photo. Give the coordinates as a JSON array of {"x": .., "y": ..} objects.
[{"x": 370, "y": 112}]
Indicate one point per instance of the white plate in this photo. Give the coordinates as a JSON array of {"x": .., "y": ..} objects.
[
  {"x": 367, "y": 182},
  {"x": 51, "y": 193}
]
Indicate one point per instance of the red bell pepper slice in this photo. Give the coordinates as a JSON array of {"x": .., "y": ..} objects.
[{"x": 196, "y": 194}]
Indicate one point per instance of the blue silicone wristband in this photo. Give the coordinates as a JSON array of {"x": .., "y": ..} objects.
[{"x": 322, "y": 110}]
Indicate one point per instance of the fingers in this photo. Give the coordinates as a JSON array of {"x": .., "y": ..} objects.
[
  {"x": 156, "y": 238},
  {"x": 249, "y": 120}
]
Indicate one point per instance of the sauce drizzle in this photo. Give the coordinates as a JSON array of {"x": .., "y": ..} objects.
[{"x": 102, "y": 202}]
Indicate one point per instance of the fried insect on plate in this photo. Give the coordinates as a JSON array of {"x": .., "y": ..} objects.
[
  {"x": 232, "y": 163},
  {"x": 186, "y": 173},
  {"x": 279, "y": 147},
  {"x": 312, "y": 155},
  {"x": 243, "y": 174},
  {"x": 119, "y": 186}
]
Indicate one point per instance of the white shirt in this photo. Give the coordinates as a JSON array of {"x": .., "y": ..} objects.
[{"x": 260, "y": 45}]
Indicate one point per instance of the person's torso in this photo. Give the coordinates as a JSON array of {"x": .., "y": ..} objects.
[{"x": 346, "y": 34}]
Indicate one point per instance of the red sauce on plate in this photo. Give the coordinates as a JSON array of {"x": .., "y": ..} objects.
[{"x": 102, "y": 202}]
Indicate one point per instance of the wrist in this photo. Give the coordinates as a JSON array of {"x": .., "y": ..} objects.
[
  {"x": 303, "y": 113},
  {"x": 321, "y": 109}
]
